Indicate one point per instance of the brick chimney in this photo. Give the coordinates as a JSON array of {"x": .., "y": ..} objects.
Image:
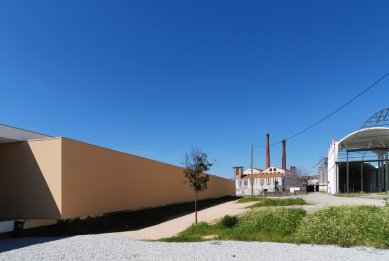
[
  {"x": 267, "y": 151},
  {"x": 284, "y": 154},
  {"x": 238, "y": 172}
]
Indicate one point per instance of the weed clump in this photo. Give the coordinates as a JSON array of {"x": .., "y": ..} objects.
[{"x": 229, "y": 221}]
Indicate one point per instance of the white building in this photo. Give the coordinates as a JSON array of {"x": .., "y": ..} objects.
[
  {"x": 359, "y": 162},
  {"x": 272, "y": 179},
  {"x": 332, "y": 168},
  {"x": 268, "y": 180}
]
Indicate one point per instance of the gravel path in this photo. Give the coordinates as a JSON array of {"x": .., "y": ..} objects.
[
  {"x": 102, "y": 247},
  {"x": 322, "y": 200},
  {"x": 122, "y": 246}
]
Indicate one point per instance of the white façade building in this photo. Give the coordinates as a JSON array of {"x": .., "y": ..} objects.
[
  {"x": 268, "y": 180},
  {"x": 272, "y": 179}
]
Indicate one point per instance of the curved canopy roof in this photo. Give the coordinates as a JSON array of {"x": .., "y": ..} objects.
[{"x": 375, "y": 138}]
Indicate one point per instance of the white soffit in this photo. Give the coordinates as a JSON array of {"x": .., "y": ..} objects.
[
  {"x": 369, "y": 138},
  {"x": 10, "y": 134}
]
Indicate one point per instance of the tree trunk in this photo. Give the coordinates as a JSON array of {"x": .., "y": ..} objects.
[{"x": 196, "y": 208}]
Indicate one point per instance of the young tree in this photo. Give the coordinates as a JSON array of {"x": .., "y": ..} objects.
[{"x": 196, "y": 163}]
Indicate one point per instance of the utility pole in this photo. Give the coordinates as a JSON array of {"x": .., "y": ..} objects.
[{"x": 252, "y": 171}]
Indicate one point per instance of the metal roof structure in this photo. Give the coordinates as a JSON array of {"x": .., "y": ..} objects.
[
  {"x": 379, "y": 119},
  {"x": 375, "y": 138},
  {"x": 10, "y": 134},
  {"x": 372, "y": 136}
]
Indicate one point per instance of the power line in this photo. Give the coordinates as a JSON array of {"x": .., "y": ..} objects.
[
  {"x": 309, "y": 171},
  {"x": 332, "y": 113}
]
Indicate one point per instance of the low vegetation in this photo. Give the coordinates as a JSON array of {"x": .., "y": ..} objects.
[
  {"x": 262, "y": 224},
  {"x": 267, "y": 202},
  {"x": 349, "y": 195},
  {"x": 249, "y": 199},
  {"x": 229, "y": 221},
  {"x": 344, "y": 226},
  {"x": 347, "y": 226}
]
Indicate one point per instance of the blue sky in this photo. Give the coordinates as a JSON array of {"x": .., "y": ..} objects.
[{"x": 155, "y": 78}]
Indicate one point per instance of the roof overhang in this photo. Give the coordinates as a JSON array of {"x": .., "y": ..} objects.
[
  {"x": 10, "y": 134},
  {"x": 369, "y": 139}
]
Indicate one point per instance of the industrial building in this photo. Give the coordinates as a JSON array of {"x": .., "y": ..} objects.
[
  {"x": 359, "y": 161},
  {"x": 46, "y": 178},
  {"x": 254, "y": 181},
  {"x": 323, "y": 176}
]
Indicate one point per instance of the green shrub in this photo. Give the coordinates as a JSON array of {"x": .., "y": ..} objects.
[
  {"x": 267, "y": 202},
  {"x": 229, "y": 221},
  {"x": 249, "y": 199},
  {"x": 279, "y": 220},
  {"x": 346, "y": 226}
]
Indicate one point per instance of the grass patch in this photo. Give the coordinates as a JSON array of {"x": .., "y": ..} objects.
[
  {"x": 347, "y": 226},
  {"x": 267, "y": 202},
  {"x": 349, "y": 195},
  {"x": 278, "y": 220},
  {"x": 343, "y": 226},
  {"x": 264, "y": 224},
  {"x": 249, "y": 199}
]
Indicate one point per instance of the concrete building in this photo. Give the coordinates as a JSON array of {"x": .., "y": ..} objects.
[
  {"x": 359, "y": 161},
  {"x": 53, "y": 178}
]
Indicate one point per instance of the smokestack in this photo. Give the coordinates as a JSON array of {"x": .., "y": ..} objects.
[
  {"x": 267, "y": 151},
  {"x": 284, "y": 154}
]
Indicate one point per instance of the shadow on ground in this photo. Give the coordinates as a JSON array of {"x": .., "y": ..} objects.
[
  {"x": 8, "y": 244},
  {"x": 122, "y": 221}
]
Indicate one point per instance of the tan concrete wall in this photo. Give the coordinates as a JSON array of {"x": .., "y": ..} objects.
[
  {"x": 96, "y": 180},
  {"x": 30, "y": 179},
  {"x": 62, "y": 178}
]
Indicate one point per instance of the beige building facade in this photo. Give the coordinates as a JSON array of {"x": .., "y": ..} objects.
[{"x": 59, "y": 178}]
